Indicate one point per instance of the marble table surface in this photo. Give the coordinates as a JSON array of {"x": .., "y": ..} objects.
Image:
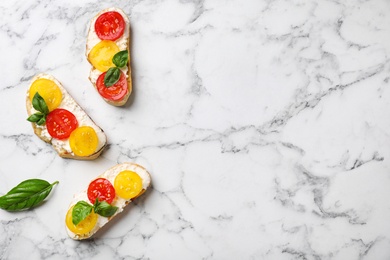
[{"x": 265, "y": 126}]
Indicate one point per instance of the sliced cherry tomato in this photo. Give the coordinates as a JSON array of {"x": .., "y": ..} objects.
[
  {"x": 83, "y": 141},
  {"x": 128, "y": 184},
  {"x": 48, "y": 90},
  {"x": 60, "y": 123},
  {"x": 110, "y": 26},
  {"x": 85, "y": 226},
  {"x": 101, "y": 189},
  {"x": 101, "y": 55},
  {"x": 115, "y": 92}
]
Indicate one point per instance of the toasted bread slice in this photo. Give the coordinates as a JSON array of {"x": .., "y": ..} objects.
[
  {"x": 62, "y": 146},
  {"x": 123, "y": 43},
  {"x": 119, "y": 202}
]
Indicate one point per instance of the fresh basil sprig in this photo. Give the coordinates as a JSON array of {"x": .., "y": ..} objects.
[
  {"x": 82, "y": 209},
  {"x": 40, "y": 105},
  {"x": 113, "y": 74},
  {"x": 26, "y": 195}
]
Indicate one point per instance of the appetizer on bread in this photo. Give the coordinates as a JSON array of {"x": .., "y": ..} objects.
[
  {"x": 108, "y": 51},
  {"x": 57, "y": 119},
  {"x": 105, "y": 197}
]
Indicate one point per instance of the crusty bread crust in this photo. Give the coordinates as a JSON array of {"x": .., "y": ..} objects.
[
  {"x": 38, "y": 130},
  {"x": 123, "y": 101},
  {"x": 86, "y": 236}
]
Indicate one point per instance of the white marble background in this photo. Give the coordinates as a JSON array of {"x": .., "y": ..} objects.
[{"x": 265, "y": 126}]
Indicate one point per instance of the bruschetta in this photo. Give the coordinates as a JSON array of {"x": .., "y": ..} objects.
[
  {"x": 104, "y": 198},
  {"x": 108, "y": 52},
  {"x": 58, "y": 120}
]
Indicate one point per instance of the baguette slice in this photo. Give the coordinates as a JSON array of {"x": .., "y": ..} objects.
[
  {"x": 123, "y": 43},
  {"x": 121, "y": 203},
  {"x": 62, "y": 146}
]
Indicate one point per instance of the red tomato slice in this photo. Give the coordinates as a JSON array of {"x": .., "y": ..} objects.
[
  {"x": 110, "y": 26},
  {"x": 60, "y": 123},
  {"x": 102, "y": 189},
  {"x": 115, "y": 92}
]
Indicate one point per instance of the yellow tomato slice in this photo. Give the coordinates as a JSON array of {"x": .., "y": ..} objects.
[
  {"x": 48, "y": 90},
  {"x": 101, "y": 55},
  {"x": 83, "y": 141},
  {"x": 127, "y": 184},
  {"x": 85, "y": 226}
]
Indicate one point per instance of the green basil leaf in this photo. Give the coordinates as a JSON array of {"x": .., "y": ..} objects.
[
  {"x": 121, "y": 58},
  {"x": 80, "y": 211},
  {"x": 39, "y": 104},
  {"x": 104, "y": 209},
  {"x": 96, "y": 203},
  {"x": 41, "y": 121},
  {"x": 26, "y": 195},
  {"x": 35, "y": 117},
  {"x": 112, "y": 76}
]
